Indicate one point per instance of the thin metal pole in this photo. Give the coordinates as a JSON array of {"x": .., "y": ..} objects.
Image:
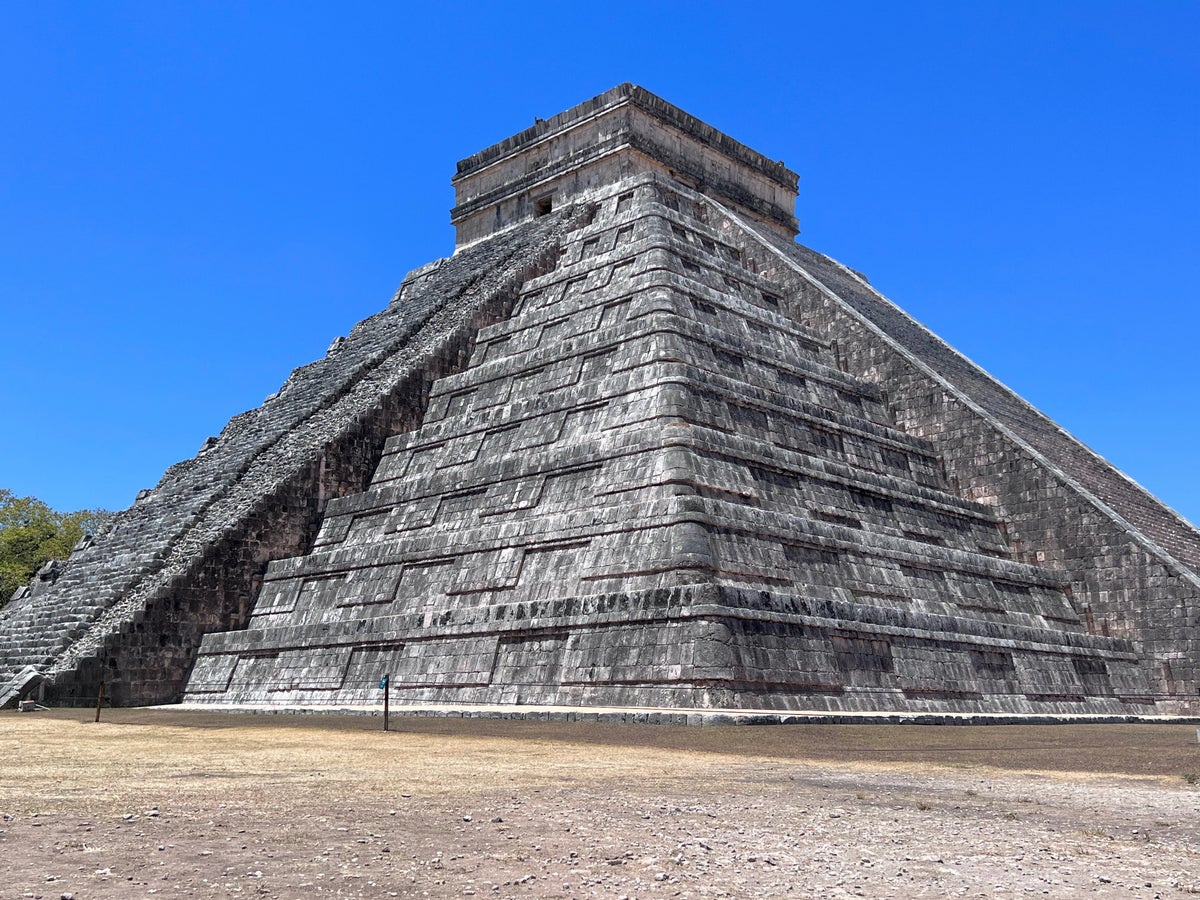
[
  {"x": 387, "y": 691},
  {"x": 99, "y": 699}
]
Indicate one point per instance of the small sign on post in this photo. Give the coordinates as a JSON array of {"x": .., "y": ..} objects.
[{"x": 383, "y": 686}]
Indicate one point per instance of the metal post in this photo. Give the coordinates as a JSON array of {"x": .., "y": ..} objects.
[
  {"x": 385, "y": 683},
  {"x": 99, "y": 699}
]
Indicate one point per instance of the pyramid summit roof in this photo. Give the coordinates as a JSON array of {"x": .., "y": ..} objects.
[{"x": 622, "y": 132}]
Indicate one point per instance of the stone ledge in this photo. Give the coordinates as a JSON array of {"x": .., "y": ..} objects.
[
  {"x": 684, "y": 716},
  {"x": 647, "y": 101}
]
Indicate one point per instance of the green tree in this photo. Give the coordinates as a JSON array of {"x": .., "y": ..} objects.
[{"x": 31, "y": 533}]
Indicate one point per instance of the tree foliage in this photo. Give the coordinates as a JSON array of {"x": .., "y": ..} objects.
[{"x": 31, "y": 533}]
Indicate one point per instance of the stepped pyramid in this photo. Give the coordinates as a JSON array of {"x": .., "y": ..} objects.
[{"x": 632, "y": 445}]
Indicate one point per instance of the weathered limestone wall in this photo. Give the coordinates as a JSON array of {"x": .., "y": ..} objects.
[
  {"x": 186, "y": 559},
  {"x": 624, "y": 132},
  {"x": 1132, "y": 562}
]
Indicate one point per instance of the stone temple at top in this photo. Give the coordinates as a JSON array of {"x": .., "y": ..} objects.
[{"x": 630, "y": 445}]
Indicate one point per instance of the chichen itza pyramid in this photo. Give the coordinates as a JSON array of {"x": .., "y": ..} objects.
[{"x": 631, "y": 445}]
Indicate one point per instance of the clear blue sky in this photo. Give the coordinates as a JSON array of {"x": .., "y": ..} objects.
[{"x": 197, "y": 198}]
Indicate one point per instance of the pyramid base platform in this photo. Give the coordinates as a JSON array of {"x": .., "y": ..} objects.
[{"x": 703, "y": 647}]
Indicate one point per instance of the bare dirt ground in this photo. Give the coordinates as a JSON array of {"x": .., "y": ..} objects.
[{"x": 174, "y": 804}]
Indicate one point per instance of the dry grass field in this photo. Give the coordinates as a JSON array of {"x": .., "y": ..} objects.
[{"x": 182, "y": 804}]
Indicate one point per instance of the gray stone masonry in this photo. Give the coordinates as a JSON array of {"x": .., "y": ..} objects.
[
  {"x": 188, "y": 557},
  {"x": 1133, "y": 564},
  {"x": 632, "y": 446},
  {"x": 621, "y": 133},
  {"x": 655, "y": 485}
]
